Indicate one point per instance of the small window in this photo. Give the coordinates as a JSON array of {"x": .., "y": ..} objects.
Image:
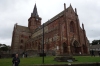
[
  {"x": 72, "y": 27},
  {"x": 22, "y": 35},
  {"x": 29, "y": 36},
  {"x": 21, "y": 47},
  {"x": 48, "y": 47},
  {"x": 21, "y": 41},
  {"x": 33, "y": 44}
]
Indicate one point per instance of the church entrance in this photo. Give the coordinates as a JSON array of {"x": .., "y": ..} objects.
[
  {"x": 84, "y": 48},
  {"x": 76, "y": 49},
  {"x": 39, "y": 47},
  {"x": 64, "y": 48}
]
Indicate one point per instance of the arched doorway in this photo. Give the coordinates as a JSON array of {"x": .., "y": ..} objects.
[
  {"x": 76, "y": 49},
  {"x": 39, "y": 47},
  {"x": 84, "y": 48},
  {"x": 64, "y": 48},
  {"x": 21, "y": 47}
]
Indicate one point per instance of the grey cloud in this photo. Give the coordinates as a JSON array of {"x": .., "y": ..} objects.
[{"x": 18, "y": 11}]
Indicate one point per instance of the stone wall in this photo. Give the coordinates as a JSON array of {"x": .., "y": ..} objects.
[
  {"x": 5, "y": 55},
  {"x": 69, "y": 64}
]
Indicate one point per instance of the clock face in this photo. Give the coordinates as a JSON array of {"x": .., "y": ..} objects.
[{"x": 37, "y": 19}]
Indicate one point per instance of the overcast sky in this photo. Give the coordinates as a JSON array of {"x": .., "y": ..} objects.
[{"x": 18, "y": 11}]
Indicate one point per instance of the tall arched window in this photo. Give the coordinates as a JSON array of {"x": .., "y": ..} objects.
[
  {"x": 21, "y": 41},
  {"x": 22, "y": 35},
  {"x": 21, "y": 47},
  {"x": 72, "y": 27},
  {"x": 33, "y": 43},
  {"x": 47, "y": 47}
]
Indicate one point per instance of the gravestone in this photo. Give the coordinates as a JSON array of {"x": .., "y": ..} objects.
[{"x": 64, "y": 59}]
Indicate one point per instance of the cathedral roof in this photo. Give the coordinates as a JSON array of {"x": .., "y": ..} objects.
[
  {"x": 55, "y": 17},
  {"x": 59, "y": 15},
  {"x": 49, "y": 21},
  {"x": 35, "y": 13},
  {"x": 95, "y": 46},
  {"x": 22, "y": 28}
]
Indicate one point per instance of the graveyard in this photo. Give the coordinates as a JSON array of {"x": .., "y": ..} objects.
[{"x": 49, "y": 60}]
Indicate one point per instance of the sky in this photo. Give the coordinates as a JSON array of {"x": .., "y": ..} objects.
[{"x": 18, "y": 11}]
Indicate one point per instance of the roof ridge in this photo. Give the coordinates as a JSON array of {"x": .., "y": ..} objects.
[{"x": 22, "y": 26}]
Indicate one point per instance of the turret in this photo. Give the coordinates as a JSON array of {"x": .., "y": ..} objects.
[
  {"x": 64, "y": 6},
  {"x": 83, "y": 26},
  {"x": 75, "y": 11}
]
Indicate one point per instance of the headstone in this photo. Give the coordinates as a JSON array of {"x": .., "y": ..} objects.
[
  {"x": 69, "y": 63},
  {"x": 64, "y": 59},
  {"x": 70, "y": 60}
]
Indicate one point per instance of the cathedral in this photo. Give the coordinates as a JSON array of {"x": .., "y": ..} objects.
[{"x": 62, "y": 34}]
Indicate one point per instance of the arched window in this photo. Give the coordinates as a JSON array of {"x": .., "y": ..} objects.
[
  {"x": 47, "y": 47},
  {"x": 33, "y": 43},
  {"x": 29, "y": 36},
  {"x": 21, "y": 47},
  {"x": 76, "y": 44},
  {"x": 21, "y": 41},
  {"x": 64, "y": 47},
  {"x": 22, "y": 35},
  {"x": 72, "y": 27}
]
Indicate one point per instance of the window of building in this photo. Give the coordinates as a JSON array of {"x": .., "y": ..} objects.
[
  {"x": 48, "y": 47},
  {"x": 22, "y": 35},
  {"x": 21, "y": 47},
  {"x": 21, "y": 41},
  {"x": 29, "y": 36},
  {"x": 33, "y": 44},
  {"x": 72, "y": 26}
]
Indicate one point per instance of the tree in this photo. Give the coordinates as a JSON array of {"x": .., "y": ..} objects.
[
  {"x": 4, "y": 47},
  {"x": 95, "y": 42},
  {"x": 0, "y": 44}
]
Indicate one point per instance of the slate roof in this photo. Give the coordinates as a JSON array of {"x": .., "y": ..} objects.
[
  {"x": 35, "y": 13},
  {"x": 51, "y": 20},
  {"x": 22, "y": 28},
  {"x": 95, "y": 46}
]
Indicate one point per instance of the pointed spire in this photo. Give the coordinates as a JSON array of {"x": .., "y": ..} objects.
[
  {"x": 35, "y": 13},
  {"x": 83, "y": 26},
  {"x": 75, "y": 10},
  {"x": 70, "y": 5},
  {"x": 64, "y": 6}
]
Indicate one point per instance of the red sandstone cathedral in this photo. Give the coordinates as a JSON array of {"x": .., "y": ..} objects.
[{"x": 62, "y": 34}]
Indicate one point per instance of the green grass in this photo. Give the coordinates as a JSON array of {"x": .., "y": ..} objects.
[
  {"x": 48, "y": 60},
  {"x": 85, "y": 59}
]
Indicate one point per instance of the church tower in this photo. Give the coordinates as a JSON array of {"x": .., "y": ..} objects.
[{"x": 34, "y": 21}]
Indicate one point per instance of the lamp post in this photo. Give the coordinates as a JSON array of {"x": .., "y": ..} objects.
[{"x": 43, "y": 45}]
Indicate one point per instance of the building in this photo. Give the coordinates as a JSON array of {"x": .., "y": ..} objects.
[
  {"x": 95, "y": 49},
  {"x": 62, "y": 34}
]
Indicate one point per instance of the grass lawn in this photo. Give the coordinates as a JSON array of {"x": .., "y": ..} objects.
[{"x": 48, "y": 60}]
